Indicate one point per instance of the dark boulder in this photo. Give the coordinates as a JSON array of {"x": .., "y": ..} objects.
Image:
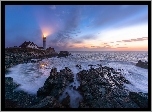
[
  {"x": 142, "y": 64},
  {"x": 64, "y": 54}
]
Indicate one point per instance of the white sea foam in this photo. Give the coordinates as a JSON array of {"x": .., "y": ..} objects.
[
  {"x": 31, "y": 78},
  {"x": 137, "y": 76}
]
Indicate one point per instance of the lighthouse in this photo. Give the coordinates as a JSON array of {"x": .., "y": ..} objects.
[{"x": 44, "y": 42}]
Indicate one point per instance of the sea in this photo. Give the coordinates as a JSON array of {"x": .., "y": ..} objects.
[{"x": 31, "y": 76}]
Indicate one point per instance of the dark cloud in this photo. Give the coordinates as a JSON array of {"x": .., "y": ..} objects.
[
  {"x": 62, "y": 37},
  {"x": 67, "y": 22}
]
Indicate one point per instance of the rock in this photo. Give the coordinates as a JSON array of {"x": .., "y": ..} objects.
[
  {"x": 83, "y": 105},
  {"x": 43, "y": 92},
  {"x": 48, "y": 102},
  {"x": 142, "y": 64},
  {"x": 56, "y": 83},
  {"x": 140, "y": 100},
  {"x": 9, "y": 84},
  {"x": 53, "y": 72},
  {"x": 125, "y": 102},
  {"x": 66, "y": 102},
  {"x": 79, "y": 66},
  {"x": 64, "y": 54},
  {"x": 11, "y": 104}
]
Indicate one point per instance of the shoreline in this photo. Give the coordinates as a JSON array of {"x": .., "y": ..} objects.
[
  {"x": 90, "y": 82},
  {"x": 15, "y": 56},
  {"x": 99, "y": 87}
]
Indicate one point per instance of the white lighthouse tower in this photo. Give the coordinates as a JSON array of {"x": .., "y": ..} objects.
[{"x": 44, "y": 42}]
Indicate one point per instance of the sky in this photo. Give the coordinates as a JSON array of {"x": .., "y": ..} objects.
[{"x": 78, "y": 27}]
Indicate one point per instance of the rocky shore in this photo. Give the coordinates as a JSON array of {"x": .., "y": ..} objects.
[
  {"x": 101, "y": 87},
  {"x": 14, "y": 56}
]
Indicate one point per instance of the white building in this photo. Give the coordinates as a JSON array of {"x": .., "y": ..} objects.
[{"x": 28, "y": 45}]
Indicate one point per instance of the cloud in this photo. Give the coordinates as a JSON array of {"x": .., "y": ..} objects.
[
  {"x": 122, "y": 47},
  {"x": 96, "y": 47},
  {"x": 126, "y": 41},
  {"x": 63, "y": 37},
  {"x": 88, "y": 37},
  {"x": 134, "y": 40},
  {"x": 77, "y": 41},
  {"x": 71, "y": 46},
  {"x": 53, "y": 7}
]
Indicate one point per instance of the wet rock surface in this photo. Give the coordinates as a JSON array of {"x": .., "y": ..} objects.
[
  {"x": 103, "y": 87},
  {"x": 48, "y": 102},
  {"x": 56, "y": 83},
  {"x": 17, "y": 99},
  {"x": 100, "y": 87},
  {"x": 140, "y": 99}
]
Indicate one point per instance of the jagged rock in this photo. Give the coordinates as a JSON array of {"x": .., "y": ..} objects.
[
  {"x": 10, "y": 86},
  {"x": 64, "y": 54},
  {"x": 125, "y": 102},
  {"x": 83, "y": 105},
  {"x": 140, "y": 100},
  {"x": 48, "y": 102},
  {"x": 112, "y": 94},
  {"x": 56, "y": 83},
  {"x": 142, "y": 64},
  {"x": 66, "y": 102},
  {"x": 43, "y": 92}
]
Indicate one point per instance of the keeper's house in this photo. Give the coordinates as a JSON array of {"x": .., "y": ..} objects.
[{"x": 29, "y": 45}]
